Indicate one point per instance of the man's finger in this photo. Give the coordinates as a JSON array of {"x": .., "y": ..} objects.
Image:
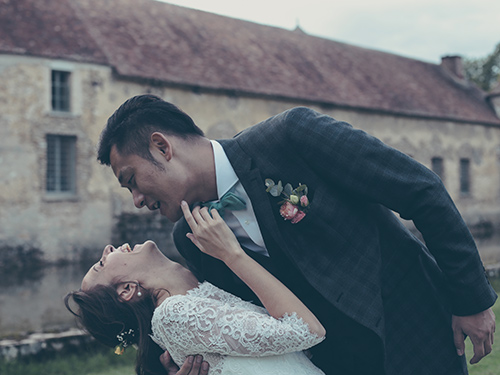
[
  {"x": 168, "y": 364},
  {"x": 204, "y": 368},
  {"x": 191, "y": 366},
  {"x": 186, "y": 366},
  {"x": 458, "y": 339},
  {"x": 479, "y": 350}
]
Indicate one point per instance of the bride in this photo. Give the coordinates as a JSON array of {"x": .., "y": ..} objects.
[{"x": 137, "y": 296}]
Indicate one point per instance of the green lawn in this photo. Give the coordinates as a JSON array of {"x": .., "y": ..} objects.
[
  {"x": 103, "y": 361},
  {"x": 99, "y": 361}
]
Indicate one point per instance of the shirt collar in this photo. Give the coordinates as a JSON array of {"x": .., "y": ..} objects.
[{"x": 224, "y": 173}]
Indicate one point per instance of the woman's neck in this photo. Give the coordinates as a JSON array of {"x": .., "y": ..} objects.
[{"x": 176, "y": 280}]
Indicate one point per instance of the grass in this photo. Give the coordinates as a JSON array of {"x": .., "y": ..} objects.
[{"x": 98, "y": 361}]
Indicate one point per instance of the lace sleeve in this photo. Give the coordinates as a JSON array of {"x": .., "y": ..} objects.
[{"x": 196, "y": 325}]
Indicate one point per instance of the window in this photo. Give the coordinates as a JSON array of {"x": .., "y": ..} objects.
[
  {"x": 465, "y": 176},
  {"x": 60, "y": 91},
  {"x": 61, "y": 164},
  {"x": 438, "y": 167}
]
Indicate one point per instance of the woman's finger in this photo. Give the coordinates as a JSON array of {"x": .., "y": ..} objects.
[
  {"x": 216, "y": 214},
  {"x": 195, "y": 241},
  {"x": 205, "y": 214},
  {"x": 197, "y": 214},
  {"x": 188, "y": 216}
]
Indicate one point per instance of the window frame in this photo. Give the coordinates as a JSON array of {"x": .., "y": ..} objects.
[
  {"x": 60, "y": 166},
  {"x": 465, "y": 177},
  {"x": 60, "y": 90},
  {"x": 437, "y": 166}
]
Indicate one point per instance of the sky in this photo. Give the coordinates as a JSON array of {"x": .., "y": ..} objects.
[{"x": 421, "y": 29}]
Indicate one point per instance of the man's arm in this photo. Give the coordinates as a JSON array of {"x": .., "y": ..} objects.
[
  {"x": 373, "y": 172},
  {"x": 369, "y": 171}
]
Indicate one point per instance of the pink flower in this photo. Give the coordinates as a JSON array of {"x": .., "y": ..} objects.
[
  {"x": 295, "y": 201},
  {"x": 291, "y": 212},
  {"x": 304, "y": 202},
  {"x": 298, "y": 217},
  {"x": 288, "y": 211}
]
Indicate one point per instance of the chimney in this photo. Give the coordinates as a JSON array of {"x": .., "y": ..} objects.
[
  {"x": 454, "y": 65},
  {"x": 494, "y": 98}
]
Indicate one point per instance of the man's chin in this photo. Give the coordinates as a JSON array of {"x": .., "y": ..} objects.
[{"x": 172, "y": 216}]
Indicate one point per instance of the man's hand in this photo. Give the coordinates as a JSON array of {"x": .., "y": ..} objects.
[
  {"x": 480, "y": 328},
  {"x": 193, "y": 365}
]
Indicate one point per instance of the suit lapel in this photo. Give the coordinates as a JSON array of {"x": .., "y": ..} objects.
[{"x": 252, "y": 180}]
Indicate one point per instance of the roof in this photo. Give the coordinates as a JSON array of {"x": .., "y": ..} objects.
[
  {"x": 147, "y": 39},
  {"x": 48, "y": 29}
]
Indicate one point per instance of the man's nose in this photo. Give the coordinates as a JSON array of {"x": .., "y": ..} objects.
[{"x": 138, "y": 198}]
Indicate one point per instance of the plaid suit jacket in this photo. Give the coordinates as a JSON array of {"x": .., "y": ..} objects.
[{"x": 350, "y": 247}]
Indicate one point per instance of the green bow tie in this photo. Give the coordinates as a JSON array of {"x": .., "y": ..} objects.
[{"x": 228, "y": 201}]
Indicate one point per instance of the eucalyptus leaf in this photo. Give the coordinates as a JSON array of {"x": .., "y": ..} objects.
[
  {"x": 269, "y": 182},
  {"x": 288, "y": 189},
  {"x": 274, "y": 190},
  {"x": 280, "y": 187},
  {"x": 300, "y": 188}
]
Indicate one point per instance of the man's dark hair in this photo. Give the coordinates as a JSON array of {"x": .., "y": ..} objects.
[{"x": 130, "y": 127}]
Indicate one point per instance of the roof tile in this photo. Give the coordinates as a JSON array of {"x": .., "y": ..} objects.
[{"x": 152, "y": 40}]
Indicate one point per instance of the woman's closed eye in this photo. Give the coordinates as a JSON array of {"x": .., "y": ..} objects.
[{"x": 100, "y": 263}]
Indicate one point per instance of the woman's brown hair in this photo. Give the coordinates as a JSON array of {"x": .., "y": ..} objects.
[{"x": 105, "y": 316}]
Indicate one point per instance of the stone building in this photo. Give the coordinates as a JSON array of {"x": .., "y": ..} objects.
[{"x": 66, "y": 65}]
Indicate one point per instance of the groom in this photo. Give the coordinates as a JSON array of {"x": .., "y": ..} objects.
[{"x": 390, "y": 304}]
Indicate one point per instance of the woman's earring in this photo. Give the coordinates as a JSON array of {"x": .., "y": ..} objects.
[{"x": 139, "y": 294}]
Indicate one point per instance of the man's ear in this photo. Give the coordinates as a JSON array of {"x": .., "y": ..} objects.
[
  {"x": 161, "y": 143},
  {"x": 127, "y": 290}
]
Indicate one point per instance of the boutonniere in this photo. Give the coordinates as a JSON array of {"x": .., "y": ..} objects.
[{"x": 295, "y": 203}]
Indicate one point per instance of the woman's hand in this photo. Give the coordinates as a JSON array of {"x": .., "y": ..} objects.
[{"x": 211, "y": 234}]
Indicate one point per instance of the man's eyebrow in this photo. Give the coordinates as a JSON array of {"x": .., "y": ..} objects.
[{"x": 121, "y": 175}]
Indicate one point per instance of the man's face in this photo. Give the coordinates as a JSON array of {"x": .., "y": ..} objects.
[{"x": 158, "y": 186}]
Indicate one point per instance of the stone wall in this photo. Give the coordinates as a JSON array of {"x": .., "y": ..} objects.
[{"x": 69, "y": 229}]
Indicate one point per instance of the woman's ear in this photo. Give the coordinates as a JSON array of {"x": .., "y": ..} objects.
[
  {"x": 162, "y": 144},
  {"x": 127, "y": 290}
]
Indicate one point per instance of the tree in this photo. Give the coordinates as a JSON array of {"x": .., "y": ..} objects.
[{"x": 484, "y": 71}]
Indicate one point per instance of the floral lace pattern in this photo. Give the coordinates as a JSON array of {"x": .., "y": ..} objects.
[{"x": 234, "y": 336}]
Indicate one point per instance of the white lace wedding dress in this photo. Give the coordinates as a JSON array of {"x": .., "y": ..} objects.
[{"x": 235, "y": 337}]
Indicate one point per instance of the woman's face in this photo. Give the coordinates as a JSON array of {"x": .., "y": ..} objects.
[{"x": 122, "y": 263}]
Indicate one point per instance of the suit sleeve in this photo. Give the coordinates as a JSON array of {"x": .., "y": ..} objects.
[{"x": 373, "y": 172}]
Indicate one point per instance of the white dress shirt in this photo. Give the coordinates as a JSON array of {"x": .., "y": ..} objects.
[{"x": 243, "y": 223}]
